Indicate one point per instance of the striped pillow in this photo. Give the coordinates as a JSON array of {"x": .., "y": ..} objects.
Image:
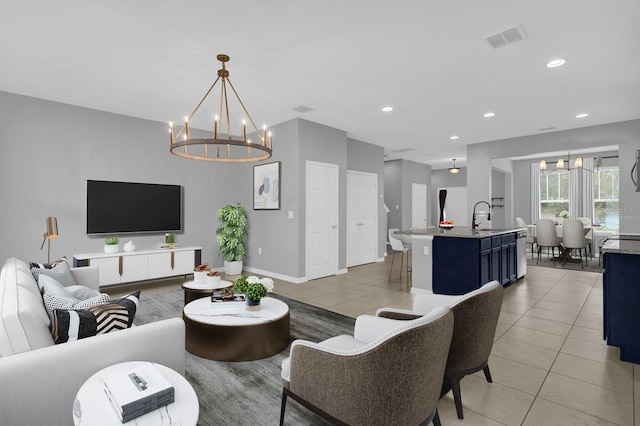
[{"x": 68, "y": 325}]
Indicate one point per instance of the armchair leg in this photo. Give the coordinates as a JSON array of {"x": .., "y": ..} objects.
[
  {"x": 283, "y": 406},
  {"x": 454, "y": 381},
  {"x": 436, "y": 419},
  {"x": 487, "y": 374}
]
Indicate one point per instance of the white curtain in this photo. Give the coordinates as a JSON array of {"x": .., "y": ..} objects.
[
  {"x": 575, "y": 207},
  {"x": 587, "y": 189},
  {"x": 535, "y": 192}
]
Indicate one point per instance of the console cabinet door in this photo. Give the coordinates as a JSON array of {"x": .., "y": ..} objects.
[
  {"x": 159, "y": 265},
  {"x": 134, "y": 268},
  {"x": 109, "y": 270},
  {"x": 183, "y": 262}
]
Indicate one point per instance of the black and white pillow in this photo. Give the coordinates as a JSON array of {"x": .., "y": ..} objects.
[
  {"x": 68, "y": 325},
  {"x": 61, "y": 272},
  {"x": 55, "y": 301}
]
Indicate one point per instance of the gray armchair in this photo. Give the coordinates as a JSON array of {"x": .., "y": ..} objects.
[
  {"x": 388, "y": 372},
  {"x": 476, "y": 317}
]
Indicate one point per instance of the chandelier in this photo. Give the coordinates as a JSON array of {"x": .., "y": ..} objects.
[
  {"x": 454, "y": 169},
  {"x": 577, "y": 164},
  {"x": 223, "y": 146}
]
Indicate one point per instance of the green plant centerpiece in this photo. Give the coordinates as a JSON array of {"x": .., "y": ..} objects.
[
  {"x": 231, "y": 236},
  {"x": 254, "y": 289},
  {"x": 111, "y": 244},
  {"x": 110, "y": 241}
]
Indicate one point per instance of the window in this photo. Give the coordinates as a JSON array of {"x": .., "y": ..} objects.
[
  {"x": 554, "y": 194},
  {"x": 605, "y": 195}
]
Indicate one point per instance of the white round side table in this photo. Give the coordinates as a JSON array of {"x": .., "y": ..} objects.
[{"x": 92, "y": 406}]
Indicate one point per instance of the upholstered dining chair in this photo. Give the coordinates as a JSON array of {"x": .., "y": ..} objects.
[
  {"x": 531, "y": 239},
  {"x": 398, "y": 246},
  {"x": 476, "y": 318},
  {"x": 588, "y": 235},
  {"x": 388, "y": 372},
  {"x": 573, "y": 238},
  {"x": 547, "y": 237}
]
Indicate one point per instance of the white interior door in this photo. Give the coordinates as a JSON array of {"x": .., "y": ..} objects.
[
  {"x": 455, "y": 206},
  {"x": 418, "y": 206},
  {"x": 362, "y": 218},
  {"x": 322, "y": 220}
]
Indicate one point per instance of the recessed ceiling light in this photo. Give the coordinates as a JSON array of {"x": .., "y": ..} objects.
[
  {"x": 454, "y": 137},
  {"x": 583, "y": 115},
  {"x": 489, "y": 114},
  {"x": 387, "y": 109},
  {"x": 556, "y": 63}
]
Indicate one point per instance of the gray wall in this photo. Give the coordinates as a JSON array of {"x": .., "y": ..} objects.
[
  {"x": 443, "y": 179},
  {"x": 625, "y": 134},
  {"x": 369, "y": 158},
  {"x": 498, "y": 216},
  {"x": 48, "y": 151},
  {"x": 522, "y": 181},
  {"x": 398, "y": 177},
  {"x": 326, "y": 145}
]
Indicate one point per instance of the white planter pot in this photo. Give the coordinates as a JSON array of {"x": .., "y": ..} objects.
[
  {"x": 233, "y": 268},
  {"x": 111, "y": 248}
]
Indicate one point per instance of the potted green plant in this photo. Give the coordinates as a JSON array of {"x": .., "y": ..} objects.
[
  {"x": 231, "y": 236},
  {"x": 254, "y": 289},
  {"x": 111, "y": 244}
]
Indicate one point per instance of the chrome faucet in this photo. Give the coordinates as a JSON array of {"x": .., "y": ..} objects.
[{"x": 473, "y": 217}]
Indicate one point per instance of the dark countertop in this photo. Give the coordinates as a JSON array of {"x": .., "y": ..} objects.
[{"x": 460, "y": 232}]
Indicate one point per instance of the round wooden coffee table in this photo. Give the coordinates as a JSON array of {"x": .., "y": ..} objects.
[
  {"x": 193, "y": 290},
  {"x": 226, "y": 331}
]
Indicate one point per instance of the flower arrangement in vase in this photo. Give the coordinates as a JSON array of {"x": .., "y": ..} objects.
[
  {"x": 564, "y": 214},
  {"x": 254, "y": 289}
]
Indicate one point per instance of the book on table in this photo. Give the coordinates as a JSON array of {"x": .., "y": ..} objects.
[{"x": 137, "y": 391}]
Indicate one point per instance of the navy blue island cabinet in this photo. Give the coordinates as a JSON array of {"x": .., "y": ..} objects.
[
  {"x": 621, "y": 304},
  {"x": 461, "y": 265}
]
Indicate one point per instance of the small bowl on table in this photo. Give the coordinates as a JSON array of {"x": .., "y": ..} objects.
[{"x": 446, "y": 226}]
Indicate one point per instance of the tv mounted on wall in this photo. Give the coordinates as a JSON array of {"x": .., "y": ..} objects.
[{"x": 128, "y": 207}]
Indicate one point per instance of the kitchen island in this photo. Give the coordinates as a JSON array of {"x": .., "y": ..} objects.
[
  {"x": 621, "y": 295},
  {"x": 460, "y": 260}
]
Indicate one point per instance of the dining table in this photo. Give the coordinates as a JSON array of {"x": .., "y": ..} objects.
[{"x": 565, "y": 253}]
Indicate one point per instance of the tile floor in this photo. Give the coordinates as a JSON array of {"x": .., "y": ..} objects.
[{"x": 549, "y": 363}]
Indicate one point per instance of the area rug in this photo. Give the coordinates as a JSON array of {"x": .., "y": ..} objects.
[
  {"x": 246, "y": 393},
  {"x": 546, "y": 262}
]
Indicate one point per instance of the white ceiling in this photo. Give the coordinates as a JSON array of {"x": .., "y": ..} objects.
[{"x": 344, "y": 59}]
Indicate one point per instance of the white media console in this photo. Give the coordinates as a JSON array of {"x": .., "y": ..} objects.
[{"x": 140, "y": 265}]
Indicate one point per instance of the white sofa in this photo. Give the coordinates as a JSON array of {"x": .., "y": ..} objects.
[{"x": 39, "y": 379}]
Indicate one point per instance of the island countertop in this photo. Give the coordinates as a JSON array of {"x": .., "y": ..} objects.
[
  {"x": 459, "y": 232},
  {"x": 622, "y": 246}
]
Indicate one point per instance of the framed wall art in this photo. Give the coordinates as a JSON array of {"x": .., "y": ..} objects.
[{"x": 266, "y": 186}]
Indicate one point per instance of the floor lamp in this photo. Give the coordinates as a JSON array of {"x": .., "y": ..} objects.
[{"x": 51, "y": 234}]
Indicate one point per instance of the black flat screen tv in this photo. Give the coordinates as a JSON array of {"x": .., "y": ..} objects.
[{"x": 127, "y": 207}]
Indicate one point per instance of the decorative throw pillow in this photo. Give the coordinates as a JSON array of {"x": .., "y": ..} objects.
[
  {"x": 68, "y": 325},
  {"x": 60, "y": 272},
  {"x": 81, "y": 292},
  {"x": 52, "y": 286},
  {"x": 53, "y": 302},
  {"x": 40, "y": 265}
]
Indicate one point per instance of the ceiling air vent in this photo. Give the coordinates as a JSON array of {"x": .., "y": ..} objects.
[
  {"x": 508, "y": 36},
  {"x": 302, "y": 109},
  {"x": 398, "y": 151}
]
